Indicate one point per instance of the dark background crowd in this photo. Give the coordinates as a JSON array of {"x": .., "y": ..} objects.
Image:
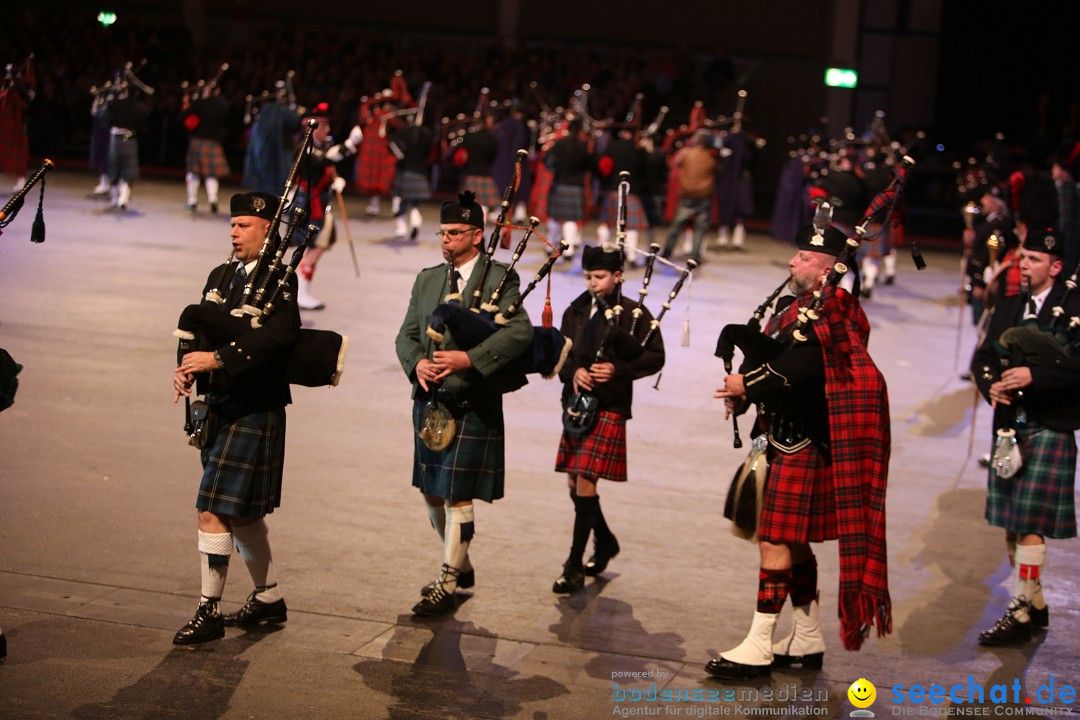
[{"x": 1023, "y": 92}]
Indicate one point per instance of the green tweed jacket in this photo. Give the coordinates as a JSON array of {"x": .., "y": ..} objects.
[{"x": 489, "y": 356}]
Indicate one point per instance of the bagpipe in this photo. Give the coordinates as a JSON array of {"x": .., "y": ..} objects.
[
  {"x": 472, "y": 324},
  {"x": 202, "y": 89},
  {"x": 15, "y": 202},
  {"x": 317, "y": 358},
  {"x": 118, "y": 87},
  {"x": 581, "y": 414},
  {"x": 283, "y": 93}
]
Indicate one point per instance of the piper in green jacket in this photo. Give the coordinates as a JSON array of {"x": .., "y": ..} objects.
[{"x": 469, "y": 383}]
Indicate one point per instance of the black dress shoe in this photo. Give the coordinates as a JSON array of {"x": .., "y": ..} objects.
[
  {"x": 571, "y": 580},
  {"x": 813, "y": 661},
  {"x": 603, "y": 552},
  {"x": 728, "y": 670},
  {"x": 213, "y": 208},
  {"x": 464, "y": 581},
  {"x": 256, "y": 612},
  {"x": 436, "y": 602},
  {"x": 208, "y": 624},
  {"x": 890, "y": 279},
  {"x": 1039, "y": 618},
  {"x": 1007, "y": 631}
]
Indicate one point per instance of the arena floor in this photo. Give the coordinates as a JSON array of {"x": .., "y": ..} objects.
[{"x": 98, "y": 563}]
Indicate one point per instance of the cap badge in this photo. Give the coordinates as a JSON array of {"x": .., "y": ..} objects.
[
  {"x": 258, "y": 204},
  {"x": 818, "y": 240},
  {"x": 1049, "y": 241},
  {"x": 465, "y": 213}
]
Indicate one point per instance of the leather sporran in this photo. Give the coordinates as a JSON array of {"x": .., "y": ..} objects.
[
  {"x": 203, "y": 424},
  {"x": 437, "y": 427},
  {"x": 744, "y": 498},
  {"x": 581, "y": 415},
  {"x": 1008, "y": 459}
]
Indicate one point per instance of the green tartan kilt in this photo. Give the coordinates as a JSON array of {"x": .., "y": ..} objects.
[
  {"x": 1038, "y": 500},
  {"x": 473, "y": 467}
]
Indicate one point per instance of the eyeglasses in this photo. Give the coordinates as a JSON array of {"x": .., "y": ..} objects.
[{"x": 453, "y": 233}]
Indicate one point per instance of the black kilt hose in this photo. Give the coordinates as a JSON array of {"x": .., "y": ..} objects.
[
  {"x": 473, "y": 467},
  {"x": 243, "y": 465}
]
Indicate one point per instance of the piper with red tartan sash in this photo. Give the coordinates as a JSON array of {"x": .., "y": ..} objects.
[{"x": 824, "y": 411}]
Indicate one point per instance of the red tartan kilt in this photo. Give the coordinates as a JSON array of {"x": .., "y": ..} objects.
[
  {"x": 487, "y": 195},
  {"x": 538, "y": 200},
  {"x": 635, "y": 212},
  {"x": 375, "y": 166},
  {"x": 799, "y": 504},
  {"x": 600, "y": 455},
  {"x": 206, "y": 158}
]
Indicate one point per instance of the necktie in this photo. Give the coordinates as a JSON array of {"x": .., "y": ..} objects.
[
  {"x": 1032, "y": 310},
  {"x": 236, "y": 288},
  {"x": 454, "y": 275}
]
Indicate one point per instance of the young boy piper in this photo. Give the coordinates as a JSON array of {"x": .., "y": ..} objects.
[{"x": 606, "y": 359}]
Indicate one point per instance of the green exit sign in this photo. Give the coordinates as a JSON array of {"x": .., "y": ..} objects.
[{"x": 841, "y": 77}]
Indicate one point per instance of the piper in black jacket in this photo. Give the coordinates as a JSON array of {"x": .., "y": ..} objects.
[
  {"x": 1035, "y": 392},
  {"x": 607, "y": 376}
]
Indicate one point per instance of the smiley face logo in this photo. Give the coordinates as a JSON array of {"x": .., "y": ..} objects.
[{"x": 862, "y": 693}]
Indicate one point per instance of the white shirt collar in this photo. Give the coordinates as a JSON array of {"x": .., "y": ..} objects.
[{"x": 465, "y": 271}]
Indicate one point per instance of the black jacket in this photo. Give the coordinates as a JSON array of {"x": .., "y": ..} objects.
[{"x": 617, "y": 394}]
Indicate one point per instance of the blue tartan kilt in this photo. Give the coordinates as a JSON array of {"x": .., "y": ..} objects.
[
  {"x": 1040, "y": 499},
  {"x": 411, "y": 186},
  {"x": 567, "y": 203},
  {"x": 799, "y": 504},
  {"x": 487, "y": 195},
  {"x": 123, "y": 159},
  {"x": 600, "y": 455},
  {"x": 243, "y": 465},
  {"x": 206, "y": 158},
  {"x": 473, "y": 467},
  {"x": 635, "y": 212}
]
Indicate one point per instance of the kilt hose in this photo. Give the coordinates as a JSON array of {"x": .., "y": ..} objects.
[
  {"x": 206, "y": 158},
  {"x": 242, "y": 466},
  {"x": 567, "y": 203},
  {"x": 799, "y": 505},
  {"x": 1038, "y": 500},
  {"x": 474, "y": 465},
  {"x": 635, "y": 212},
  {"x": 411, "y": 186},
  {"x": 600, "y": 455},
  {"x": 487, "y": 195},
  {"x": 123, "y": 159}
]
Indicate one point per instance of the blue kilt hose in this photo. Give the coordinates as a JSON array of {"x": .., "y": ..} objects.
[
  {"x": 487, "y": 195},
  {"x": 206, "y": 158},
  {"x": 123, "y": 160},
  {"x": 473, "y": 467},
  {"x": 799, "y": 505},
  {"x": 600, "y": 455},
  {"x": 566, "y": 203},
  {"x": 1039, "y": 500},
  {"x": 242, "y": 466},
  {"x": 411, "y": 186},
  {"x": 635, "y": 212}
]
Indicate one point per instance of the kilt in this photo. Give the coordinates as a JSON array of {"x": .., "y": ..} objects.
[
  {"x": 567, "y": 203},
  {"x": 411, "y": 186},
  {"x": 1040, "y": 498},
  {"x": 375, "y": 164},
  {"x": 635, "y": 212},
  {"x": 600, "y": 455},
  {"x": 541, "y": 190},
  {"x": 487, "y": 195},
  {"x": 799, "y": 505},
  {"x": 206, "y": 158},
  {"x": 123, "y": 161},
  {"x": 473, "y": 467},
  {"x": 242, "y": 466}
]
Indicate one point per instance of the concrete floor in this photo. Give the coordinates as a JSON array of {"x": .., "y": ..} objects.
[{"x": 98, "y": 564}]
